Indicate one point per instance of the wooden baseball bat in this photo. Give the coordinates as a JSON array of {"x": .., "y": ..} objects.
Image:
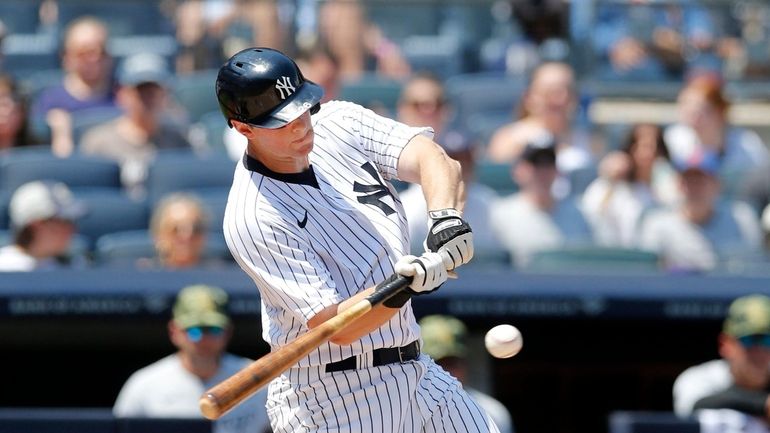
[{"x": 221, "y": 398}]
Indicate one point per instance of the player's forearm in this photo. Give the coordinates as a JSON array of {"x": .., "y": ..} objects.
[
  {"x": 363, "y": 326},
  {"x": 425, "y": 162}
]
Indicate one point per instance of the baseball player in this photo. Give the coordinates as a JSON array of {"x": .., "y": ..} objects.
[{"x": 315, "y": 222}]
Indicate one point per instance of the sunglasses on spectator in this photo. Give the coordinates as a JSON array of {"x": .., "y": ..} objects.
[
  {"x": 196, "y": 228},
  {"x": 196, "y": 333},
  {"x": 429, "y": 105},
  {"x": 756, "y": 340}
]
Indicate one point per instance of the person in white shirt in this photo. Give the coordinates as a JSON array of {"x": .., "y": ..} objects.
[
  {"x": 534, "y": 219},
  {"x": 43, "y": 216},
  {"x": 740, "y": 380},
  {"x": 702, "y": 232},
  {"x": 170, "y": 388}
]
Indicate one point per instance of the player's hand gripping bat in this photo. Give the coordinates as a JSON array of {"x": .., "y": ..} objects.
[{"x": 221, "y": 398}]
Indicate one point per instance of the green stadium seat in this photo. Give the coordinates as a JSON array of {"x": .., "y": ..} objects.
[{"x": 593, "y": 259}]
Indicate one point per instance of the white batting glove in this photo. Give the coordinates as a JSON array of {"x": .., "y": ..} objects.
[
  {"x": 428, "y": 271},
  {"x": 448, "y": 233}
]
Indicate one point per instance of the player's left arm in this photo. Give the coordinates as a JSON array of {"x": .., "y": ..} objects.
[{"x": 425, "y": 162}]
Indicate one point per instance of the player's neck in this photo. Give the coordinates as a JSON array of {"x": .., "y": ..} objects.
[{"x": 279, "y": 163}]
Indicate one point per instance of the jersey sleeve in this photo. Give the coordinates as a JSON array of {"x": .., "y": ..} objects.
[
  {"x": 381, "y": 138},
  {"x": 289, "y": 274}
]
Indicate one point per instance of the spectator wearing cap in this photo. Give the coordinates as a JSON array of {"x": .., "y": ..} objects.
[
  {"x": 43, "y": 216},
  {"x": 87, "y": 84},
  {"x": 704, "y": 131},
  {"x": 702, "y": 231},
  {"x": 740, "y": 379},
  {"x": 134, "y": 138},
  {"x": 445, "y": 339},
  {"x": 200, "y": 329},
  {"x": 423, "y": 103},
  {"x": 534, "y": 219}
]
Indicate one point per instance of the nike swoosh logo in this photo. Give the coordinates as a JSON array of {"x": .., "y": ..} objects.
[{"x": 303, "y": 222}]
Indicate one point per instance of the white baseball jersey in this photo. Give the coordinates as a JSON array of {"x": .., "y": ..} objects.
[{"x": 312, "y": 239}]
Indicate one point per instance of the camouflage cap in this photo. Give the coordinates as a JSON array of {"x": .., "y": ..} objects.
[
  {"x": 443, "y": 336},
  {"x": 748, "y": 315},
  {"x": 201, "y": 305}
]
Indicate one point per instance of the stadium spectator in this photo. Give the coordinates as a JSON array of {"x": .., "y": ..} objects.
[
  {"x": 542, "y": 221},
  {"x": 210, "y": 31},
  {"x": 146, "y": 125},
  {"x": 200, "y": 329},
  {"x": 445, "y": 339},
  {"x": 13, "y": 115},
  {"x": 358, "y": 44},
  {"x": 548, "y": 107},
  {"x": 180, "y": 229},
  {"x": 43, "y": 216},
  {"x": 631, "y": 180},
  {"x": 652, "y": 40},
  {"x": 740, "y": 380},
  {"x": 702, "y": 232},
  {"x": 423, "y": 103},
  {"x": 87, "y": 84},
  {"x": 766, "y": 227},
  {"x": 704, "y": 130}
]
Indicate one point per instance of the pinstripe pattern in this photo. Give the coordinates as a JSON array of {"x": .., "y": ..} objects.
[
  {"x": 355, "y": 230},
  {"x": 416, "y": 396}
]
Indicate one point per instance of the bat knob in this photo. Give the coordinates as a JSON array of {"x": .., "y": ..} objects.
[{"x": 210, "y": 407}]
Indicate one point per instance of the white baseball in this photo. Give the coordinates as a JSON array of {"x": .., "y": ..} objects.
[{"x": 503, "y": 341}]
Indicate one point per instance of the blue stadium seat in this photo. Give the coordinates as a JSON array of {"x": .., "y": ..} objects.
[
  {"x": 397, "y": 23},
  {"x": 580, "y": 178},
  {"x": 26, "y": 53},
  {"x": 123, "y": 17},
  {"x": 110, "y": 211},
  {"x": 195, "y": 92},
  {"x": 483, "y": 94},
  {"x": 212, "y": 126},
  {"x": 77, "y": 171},
  {"x": 650, "y": 422},
  {"x": 125, "y": 248},
  {"x": 372, "y": 91},
  {"x": 20, "y": 16},
  {"x": 155, "y": 425},
  {"x": 496, "y": 176},
  {"x": 83, "y": 120},
  {"x": 440, "y": 55},
  {"x": 168, "y": 174},
  {"x": 593, "y": 259}
]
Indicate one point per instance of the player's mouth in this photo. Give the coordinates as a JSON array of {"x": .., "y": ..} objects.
[{"x": 305, "y": 141}]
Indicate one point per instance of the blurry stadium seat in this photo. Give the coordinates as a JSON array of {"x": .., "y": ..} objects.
[
  {"x": 496, "y": 176},
  {"x": 215, "y": 200},
  {"x": 162, "y": 45},
  {"x": 155, "y": 425},
  {"x": 580, "y": 178},
  {"x": 171, "y": 173},
  {"x": 373, "y": 92},
  {"x": 25, "y": 53},
  {"x": 398, "y": 22},
  {"x": 125, "y": 248},
  {"x": 593, "y": 259},
  {"x": 482, "y": 126},
  {"x": 77, "y": 171},
  {"x": 650, "y": 422},
  {"x": 212, "y": 127},
  {"x": 195, "y": 93},
  {"x": 123, "y": 17},
  {"x": 440, "y": 55},
  {"x": 110, "y": 211},
  {"x": 20, "y": 16},
  {"x": 483, "y": 94}
]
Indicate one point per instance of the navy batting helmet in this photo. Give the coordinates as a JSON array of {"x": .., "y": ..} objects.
[{"x": 265, "y": 88}]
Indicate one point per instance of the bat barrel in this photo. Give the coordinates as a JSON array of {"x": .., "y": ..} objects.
[{"x": 210, "y": 407}]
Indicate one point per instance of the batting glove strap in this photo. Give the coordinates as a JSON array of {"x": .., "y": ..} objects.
[
  {"x": 450, "y": 233},
  {"x": 428, "y": 272}
]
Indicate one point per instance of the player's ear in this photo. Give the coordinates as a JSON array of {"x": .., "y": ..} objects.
[{"x": 243, "y": 129}]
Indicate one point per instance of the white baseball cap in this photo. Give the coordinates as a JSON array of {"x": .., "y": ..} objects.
[{"x": 41, "y": 200}]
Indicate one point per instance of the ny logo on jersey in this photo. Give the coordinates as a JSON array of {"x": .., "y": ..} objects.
[
  {"x": 284, "y": 83},
  {"x": 374, "y": 193}
]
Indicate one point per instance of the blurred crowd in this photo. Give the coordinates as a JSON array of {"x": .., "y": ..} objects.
[{"x": 131, "y": 84}]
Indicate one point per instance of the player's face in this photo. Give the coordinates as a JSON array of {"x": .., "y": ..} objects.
[{"x": 294, "y": 140}]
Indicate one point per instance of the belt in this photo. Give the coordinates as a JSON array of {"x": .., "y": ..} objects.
[{"x": 386, "y": 355}]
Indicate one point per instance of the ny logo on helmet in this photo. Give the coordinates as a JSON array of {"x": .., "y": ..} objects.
[{"x": 284, "y": 83}]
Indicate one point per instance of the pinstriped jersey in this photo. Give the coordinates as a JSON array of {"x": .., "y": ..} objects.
[{"x": 312, "y": 239}]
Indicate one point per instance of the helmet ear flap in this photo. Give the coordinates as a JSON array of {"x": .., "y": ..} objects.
[{"x": 315, "y": 108}]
